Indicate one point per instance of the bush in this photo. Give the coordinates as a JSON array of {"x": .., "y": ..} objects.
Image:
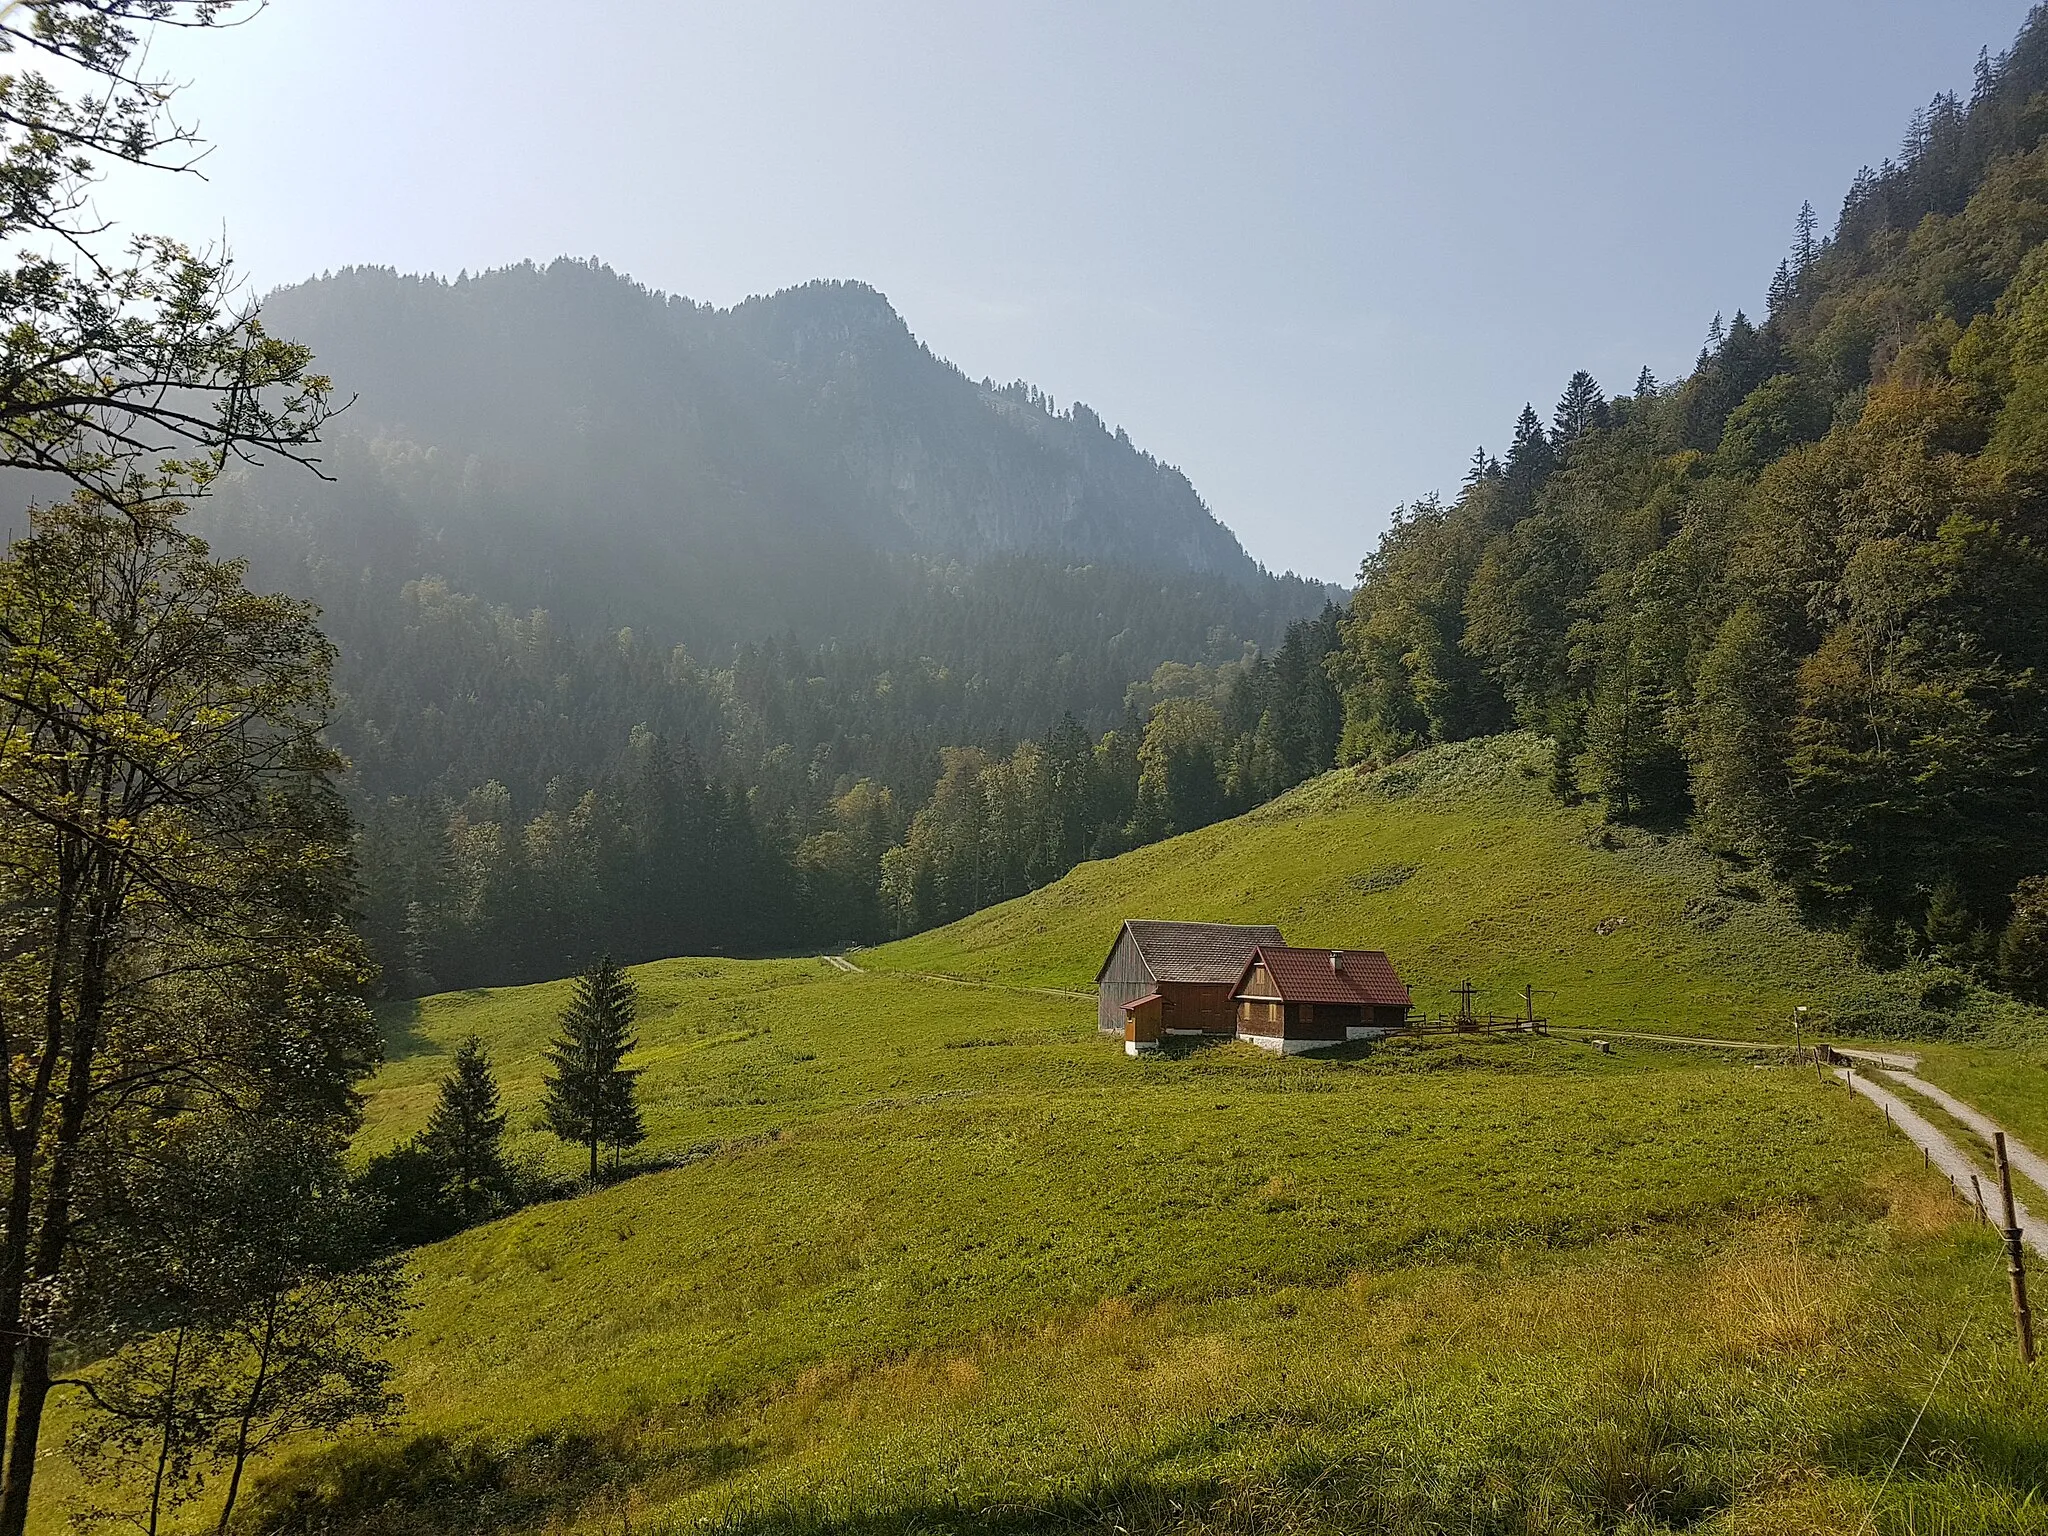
[
  {"x": 406, "y": 1186},
  {"x": 1917, "y": 1004}
]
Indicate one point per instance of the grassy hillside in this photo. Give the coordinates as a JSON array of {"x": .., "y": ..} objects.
[
  {"x": 917, "y": 1255},
  {"x": 1460, "y": 863}
]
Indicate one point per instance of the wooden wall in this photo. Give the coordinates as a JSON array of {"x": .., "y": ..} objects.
[
  {"x": 1124, "y": 980},
  {"x": 1192, "y": 1005}
]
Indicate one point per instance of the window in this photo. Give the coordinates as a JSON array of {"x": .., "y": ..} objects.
[{"x": 1308, "y": 1013}]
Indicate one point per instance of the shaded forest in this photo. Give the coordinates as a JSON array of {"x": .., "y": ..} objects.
[{"x": 828, "y": 815}]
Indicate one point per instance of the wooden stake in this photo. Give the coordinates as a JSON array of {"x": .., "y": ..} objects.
[
  {"x": 1978, "y": 1190},
  {"x": 2015, "y": 1254}
]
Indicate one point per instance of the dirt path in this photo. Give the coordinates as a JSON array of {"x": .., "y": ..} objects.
[
  {"x": 1574, "y": 1032},
  {"x": 1944, "y": 1154},
  {"x": 999, "y": 986},
  {"x": 2024, "y": 1158},
  {"x": 1890, "y": 1060},
  {"x": 1061, "y": 993}
]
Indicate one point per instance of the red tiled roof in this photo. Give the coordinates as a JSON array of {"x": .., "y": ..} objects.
[
  {"x": 1306, "y": 976},
  {"x": 1139, "y": 1002}
]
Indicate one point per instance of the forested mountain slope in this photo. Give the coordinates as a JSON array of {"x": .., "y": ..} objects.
[
  {"x": 561, "y": 437},
  {"x": 1801, "y": 595}
]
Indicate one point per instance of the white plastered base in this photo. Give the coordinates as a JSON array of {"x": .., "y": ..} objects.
[{"x": 1280, "y": 1047}]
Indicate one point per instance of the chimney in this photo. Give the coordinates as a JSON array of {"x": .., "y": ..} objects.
[{"x": 1337, "y": 960}]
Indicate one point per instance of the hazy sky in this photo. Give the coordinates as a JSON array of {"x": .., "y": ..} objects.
[{"x": 1312, "y": 253}]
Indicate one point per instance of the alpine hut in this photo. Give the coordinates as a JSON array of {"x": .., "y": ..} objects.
[
  {"x": 1175, "y": 978},
  {"x": 1291, "y": 1000}
]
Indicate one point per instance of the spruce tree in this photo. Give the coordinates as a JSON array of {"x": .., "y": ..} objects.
[
  {"x": 1530, "y": 458},
  {"x": 1780, "y": 297},
  {"x": 1582, "y": 409},
  {"x": 589, "y": 1096},
  {"x": 2023, "y": 950},
  {"x": 465, "y": 1137},
  {"x": 1948, "y": 918}
]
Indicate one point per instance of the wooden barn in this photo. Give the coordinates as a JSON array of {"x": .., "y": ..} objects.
[
  {"x": 1175, "y": 978},
  {"x": 1291, "y": 1000}
]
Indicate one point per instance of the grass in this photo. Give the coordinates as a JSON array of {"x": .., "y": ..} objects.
[
  {"x": 909, "y": 1255},
  {"x": 1458, "y": 863}
]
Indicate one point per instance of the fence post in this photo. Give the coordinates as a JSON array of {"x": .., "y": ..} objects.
[
  {"x": 2015, "y": 1255},
  {"x": 1978, "y": 1190}
]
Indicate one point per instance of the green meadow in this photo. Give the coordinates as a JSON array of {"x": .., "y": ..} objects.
[
  {"x": 1461, "y": 865},
  {"x": 903, "y": 1253}
]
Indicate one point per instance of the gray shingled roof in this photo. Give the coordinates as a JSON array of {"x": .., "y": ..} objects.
[{"x": 1211, "y": 952}]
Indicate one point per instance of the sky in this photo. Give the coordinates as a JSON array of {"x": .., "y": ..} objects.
[{"x": 1313, "y": 254}]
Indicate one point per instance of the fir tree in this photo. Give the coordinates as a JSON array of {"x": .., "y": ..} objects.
[
  {"x": 1529, "y": 457},
  {"x": 1806, "y": 243},
  {"x": 1646, "y": 383},
  {"x": 1779, "y": 298},
  {"x": 1581, "y": 409},
  {"x": 2023, "y": 950},
  {"x": 465, "y": 1137},
  {"x": 588, "y": 1095}
]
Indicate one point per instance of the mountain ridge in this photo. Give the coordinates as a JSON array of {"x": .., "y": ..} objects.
[{"x": 740, "y": 463}]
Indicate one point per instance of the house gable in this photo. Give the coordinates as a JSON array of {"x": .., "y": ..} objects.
[
  {"x": 1196, "y": 964},
  {"x": 1356, "y": 977}
]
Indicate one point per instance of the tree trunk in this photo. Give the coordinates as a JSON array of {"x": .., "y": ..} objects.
[
  {"x": 54, "y": 1231},
  {"x": 30, "y": 1396},
  {"x": 163, "y": 1455},
  {"x": 249, "y": 1408},
  {"x": 25, "y": 1151},
  {"x": 593, "y": 1162}
]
